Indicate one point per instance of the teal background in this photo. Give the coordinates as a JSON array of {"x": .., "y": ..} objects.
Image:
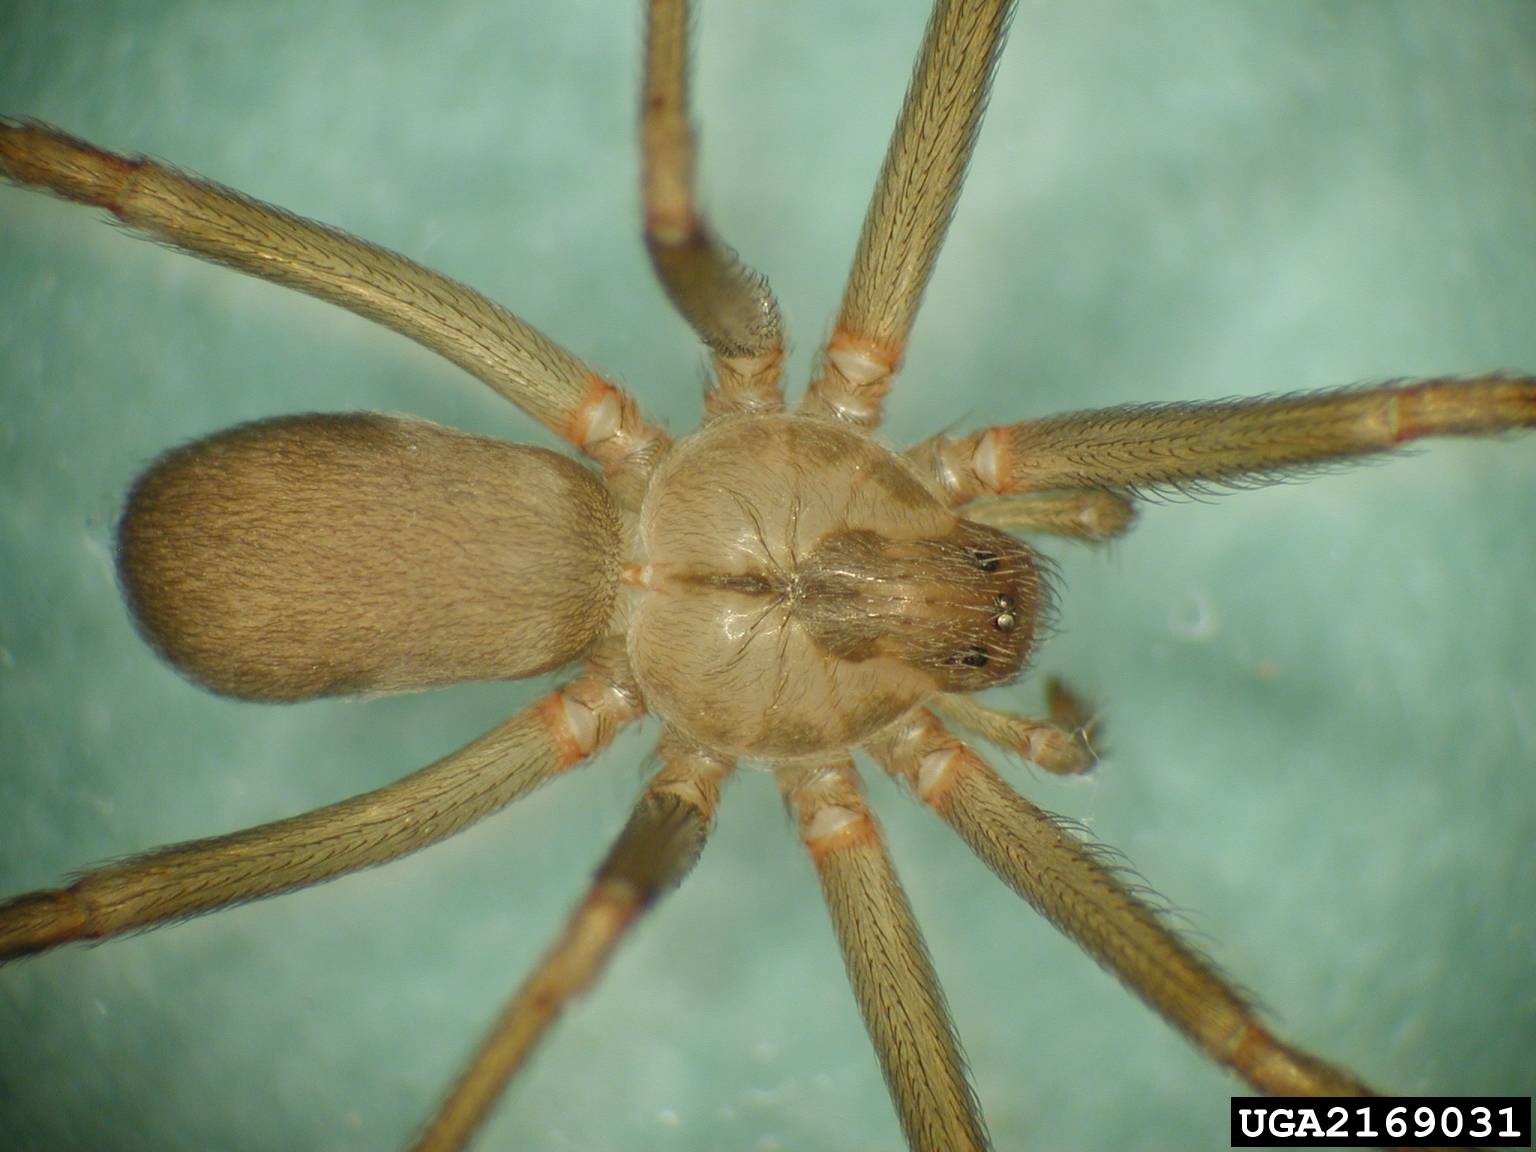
[{"x": 1321, "y": 696}]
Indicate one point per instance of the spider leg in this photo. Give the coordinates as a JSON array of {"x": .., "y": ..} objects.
[
  {"x": 914, "y": 199},
  {"x": 182, "y": 880},
  {"x": 1062, "y": 749},
  {"x": 657, "y": 848},
  {"x": 219, "y": 224},
  {"x": 1152, "y": 446},
  {"x": 887, "y": 961},
  {"x": 1086, "y": 515},
  {"x": 728, "y": 305},
  {"x": 1070, "y": 885}
]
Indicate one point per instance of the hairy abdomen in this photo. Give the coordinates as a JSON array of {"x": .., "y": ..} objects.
[{"x": 330, "y": 554}]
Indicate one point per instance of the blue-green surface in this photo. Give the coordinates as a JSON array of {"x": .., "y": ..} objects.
[{"x": 1322, "y": 696}]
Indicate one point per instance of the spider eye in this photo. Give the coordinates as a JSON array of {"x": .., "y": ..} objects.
[
  {"x": 986, "y": 561},
  {"x": 1005, "y": 620},
  {"x": 975, "y": 658}
]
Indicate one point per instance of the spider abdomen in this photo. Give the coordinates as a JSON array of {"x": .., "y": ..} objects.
[
  {"x": 331, "y": 554},
  {"x": 801, "y": 588}
]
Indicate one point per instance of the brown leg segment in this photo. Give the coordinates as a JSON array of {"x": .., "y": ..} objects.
[
  {"x": 1150, "y": 447},
  {"x": 182, "y": 880},
  {"x": 728, "y": 305},
  {"x": 1092, "y": 517},
  {"x": 914, "y": 199},
  {"x": 219, "y": 224},
  {"x": 887, "y": 961},
  {"x": 1062, "y": 749},
  {"x": 1064, "y": 879},
  {"x": 657, "y": 848}
]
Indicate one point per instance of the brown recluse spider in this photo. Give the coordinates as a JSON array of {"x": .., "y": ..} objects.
[{"x": 238, "y": 650}]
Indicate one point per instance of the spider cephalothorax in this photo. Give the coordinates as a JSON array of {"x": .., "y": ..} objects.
[{"x": 801, "y": 588}]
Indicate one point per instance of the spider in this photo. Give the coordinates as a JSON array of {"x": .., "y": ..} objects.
[{"x": 1187, "y": 634}]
